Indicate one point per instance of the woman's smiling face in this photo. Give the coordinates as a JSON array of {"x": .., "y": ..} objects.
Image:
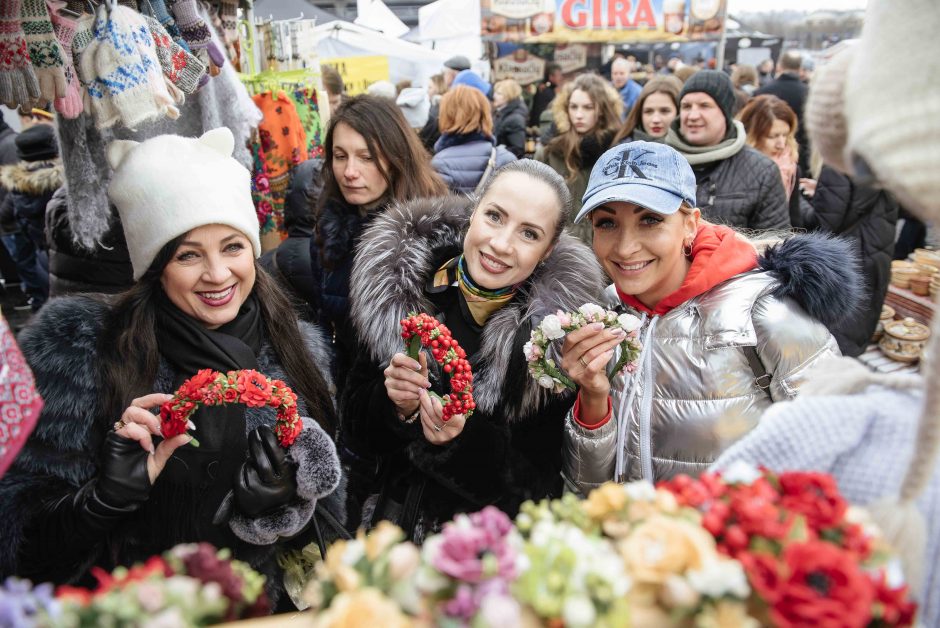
[
  {"x": 642, "y": 250},
  {"x": 511, "y": 230}
]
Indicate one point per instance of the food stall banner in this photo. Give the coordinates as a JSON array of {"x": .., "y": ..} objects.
[
  {"x": 611, "y": 21},
  {"x": 359, "y": 72},
  {"x": 522, "y": 66}
]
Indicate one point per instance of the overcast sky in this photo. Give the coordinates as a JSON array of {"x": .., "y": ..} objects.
[{"x": 743, "y": 6}]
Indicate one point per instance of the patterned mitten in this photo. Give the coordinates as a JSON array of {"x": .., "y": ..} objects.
[
  {"x": 45, "y": 52},
  {"x": 197, "y": 34},
  {"x": 163, "y": 16},
  {"x": 84, "y": 35},
  {"x": 71, "y": 105},
  {"x": 179, "y": 67},
  {"x": 85, "y": 49},
  {"x": 18, "y": 83},
  {"x": 228, "y": 12}
]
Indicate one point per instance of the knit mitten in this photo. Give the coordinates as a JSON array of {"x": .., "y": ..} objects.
[
  {"x": 179, "y": 67},
  {"x": 197, "y": 34},
  {"x": 71, "y": 105},
  {"x": 166, "y": 20},
  {"x": 228, "y": 12},
  {"x": 45, "y": 52},
  {"x": 84, "y": 35},
  {"x": 18, "y": 83}
]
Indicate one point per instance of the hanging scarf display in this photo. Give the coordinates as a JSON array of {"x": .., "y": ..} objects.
[{"x": 305, "y": 100}]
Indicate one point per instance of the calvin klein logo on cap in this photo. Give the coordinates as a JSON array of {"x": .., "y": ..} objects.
[{"x": 627, "y": 164}]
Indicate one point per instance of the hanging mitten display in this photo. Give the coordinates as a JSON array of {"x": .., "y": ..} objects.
[
  {"x": 84, "y": 35},
  {"x": 181, "y": 68},
  {"x": 166, "y": 20},
  {"x": 71, "y": 105},
  {"x": 197, "y": 34},
  {"x": 125, "y": 82},
  {"x": 45, "y": 52},
  {"x": 18, "y": 83}
]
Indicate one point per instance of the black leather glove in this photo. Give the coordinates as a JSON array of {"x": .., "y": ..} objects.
[{"x": 267, "y": 479}]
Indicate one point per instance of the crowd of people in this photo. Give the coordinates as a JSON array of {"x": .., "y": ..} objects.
[{"x": 693, "y": 202}]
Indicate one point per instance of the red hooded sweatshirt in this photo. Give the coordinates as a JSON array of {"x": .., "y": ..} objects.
[{"x": 718, "y": 254}]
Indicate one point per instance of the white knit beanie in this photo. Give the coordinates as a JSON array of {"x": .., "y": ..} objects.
[{"x": 169, "y": 185}]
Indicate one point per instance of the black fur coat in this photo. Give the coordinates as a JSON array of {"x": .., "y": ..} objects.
[
  {"x": 61, "y": 347},
  {"x": 510, "y": 448}
]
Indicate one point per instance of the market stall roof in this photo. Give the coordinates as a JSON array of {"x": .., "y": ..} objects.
[
  {"x": 291, "y": 9},
  {"x": 405, "y": 59}
]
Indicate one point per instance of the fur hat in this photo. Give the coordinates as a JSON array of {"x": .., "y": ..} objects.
[
  {"x": 37, "y": 143},
  {"x": 169, "y": 185},
  {"x": 717, "y": 85}
]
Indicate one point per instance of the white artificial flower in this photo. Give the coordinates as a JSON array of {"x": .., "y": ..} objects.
[
  {"x": 546, "y": 381},
  {"x": 719, "y": 578},
  {"x": 592, "y": 311},
  {"x": 741, "y": 472},
  {"x": 527, "y": 350},
  {"x": 628, "y": 322},
  {"x": 640, "y": 491},
  {"x": 353, "y": 552},
  {"x": 551, "y": 327},
  {"x": 578, "y": 611},
  {"x": 499, "y": 611}
]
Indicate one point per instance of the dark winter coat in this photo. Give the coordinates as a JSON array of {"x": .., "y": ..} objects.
[
  {"x": 737, "y": 185},
  {"x": 61, "y": 346},
  {"x": 868, "y": 217},
  {"x": 431, "y": 131},
  {"x": 74, "y": 269},
  {"x": 510, "y": 448},
  {"x": 509, "y": 126},
  {"x": 461, "y": 160},
  {"x": 790, "y": 89},
  {"x": 8, "y": 157},
  {"x": 290, "y": 263},
  {"x": 30, "y": 187}
]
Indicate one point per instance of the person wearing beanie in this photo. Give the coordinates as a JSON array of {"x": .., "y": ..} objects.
[
  {"x": 877, "y": 434},
  {"x": 474, "y": 80},
  {"x": 735, "y": 184},
  {"x": 415, "y": 106},
  {"x": 30, "y": 184},
  {"x": 93, "y": 485},
  {"x": 454, "y": 66},
  {"x": 724, "y": 332}
]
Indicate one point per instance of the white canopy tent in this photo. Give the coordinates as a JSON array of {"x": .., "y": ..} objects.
[
  {"x": 452, "y": 27},
  {"x": 405, "y": 60},
  {"x": 375, "y": 15}
]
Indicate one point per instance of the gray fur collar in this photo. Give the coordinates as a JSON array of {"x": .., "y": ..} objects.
[{"x": 394, "y": 261}]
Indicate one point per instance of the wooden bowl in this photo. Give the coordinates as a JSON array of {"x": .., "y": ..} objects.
[{"x": 904, "y": 340}]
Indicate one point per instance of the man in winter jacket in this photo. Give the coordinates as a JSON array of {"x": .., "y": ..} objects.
[
  {"x": 789, "y": 88},
  {"x": 629, "y": 89},
  {"x": 736, "y": 184},
  {"x": 30, "y": 185}
]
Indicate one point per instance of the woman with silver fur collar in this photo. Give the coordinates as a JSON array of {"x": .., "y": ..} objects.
[
  {"x": 95, "y": 485},
  {"x": 489, "y": 270}
]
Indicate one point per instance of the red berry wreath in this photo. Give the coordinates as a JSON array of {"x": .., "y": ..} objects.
[
  {"x": 212, "y": 388},
  {"x": 423, "y": 330}
]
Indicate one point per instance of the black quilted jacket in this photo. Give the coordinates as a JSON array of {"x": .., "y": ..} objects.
[{"x": 744, "y": 190}]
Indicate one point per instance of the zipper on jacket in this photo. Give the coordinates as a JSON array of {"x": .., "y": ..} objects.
[{"x": 646, "y": 405}]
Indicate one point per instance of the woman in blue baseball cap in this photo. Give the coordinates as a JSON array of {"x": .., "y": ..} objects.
[{"x": 725, "y": 332}]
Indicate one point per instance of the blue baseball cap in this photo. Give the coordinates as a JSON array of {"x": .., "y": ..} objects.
[{"x": 652, "y": 175}]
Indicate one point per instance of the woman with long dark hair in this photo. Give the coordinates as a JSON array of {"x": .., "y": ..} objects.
[
  {"x": 95, "y": 486},
  {"x": 655, "y": 109},
  {"x": 372, "y": 158},
  {"x": 587, "y": 116}
]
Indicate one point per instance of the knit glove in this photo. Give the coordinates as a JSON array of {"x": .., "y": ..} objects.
[
  {"x": 71, "y": 105},
  {"x": 18, "y": 83},
  {"x": 84, "y": 35},
  {"x": 166, "y": 20},
  {"x": 182, "y": 69},
  {"x": 197, "y": 34},
  {"x": 45, "y": 52}
]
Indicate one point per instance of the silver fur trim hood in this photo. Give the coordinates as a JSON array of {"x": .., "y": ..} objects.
[{"x": 394, "y": 260}]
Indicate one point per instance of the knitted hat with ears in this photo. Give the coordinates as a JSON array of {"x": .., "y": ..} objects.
[
  {"x": 892, "y": 139},
  {"x": 169, "y": 185}
]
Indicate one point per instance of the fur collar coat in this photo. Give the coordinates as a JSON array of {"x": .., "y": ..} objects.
[
  {"x": 61, "y": 347},
  {"x": 509, "y": 450}
]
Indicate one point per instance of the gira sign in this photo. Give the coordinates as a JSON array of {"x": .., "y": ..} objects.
[{"x": 607, "y": 14}]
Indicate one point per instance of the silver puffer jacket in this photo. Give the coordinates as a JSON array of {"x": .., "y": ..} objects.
[{"x": 694, "y": 391}]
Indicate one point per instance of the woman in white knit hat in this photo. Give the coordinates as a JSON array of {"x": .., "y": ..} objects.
[{"x": 95, "y": 485}]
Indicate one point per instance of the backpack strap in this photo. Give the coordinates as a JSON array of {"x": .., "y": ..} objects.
[{"x": 761, "y": 377}]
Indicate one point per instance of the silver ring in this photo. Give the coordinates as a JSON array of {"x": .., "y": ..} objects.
[{"x": 439, "y": 428}]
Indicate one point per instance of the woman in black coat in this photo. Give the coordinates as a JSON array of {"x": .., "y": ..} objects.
[
  {"x": 845, "y": 208},
  {"x": 95, "y": 485},
  {"x": 509, "y": 116},
  {"x": 489, "y": 271}
]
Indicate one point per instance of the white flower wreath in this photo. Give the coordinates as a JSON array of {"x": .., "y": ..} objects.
[{"x": 555, "y": 326}]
